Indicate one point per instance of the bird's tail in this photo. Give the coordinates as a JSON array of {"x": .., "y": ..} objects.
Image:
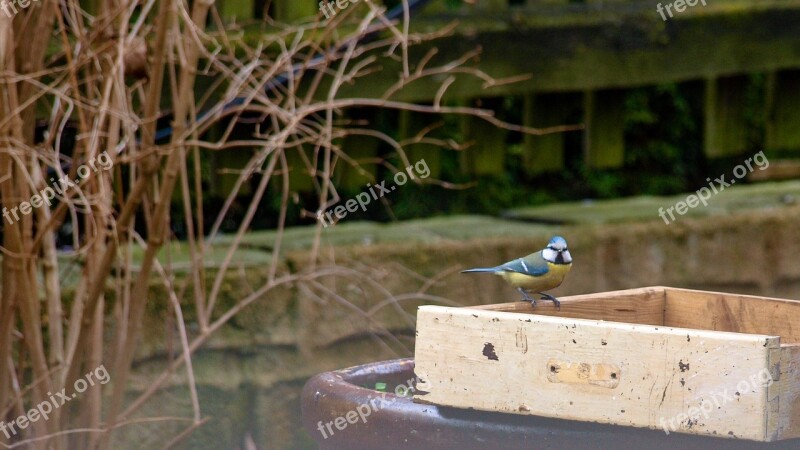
[{"x": 481, "y": 270}]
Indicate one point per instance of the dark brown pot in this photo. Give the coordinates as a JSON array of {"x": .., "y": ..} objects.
[{"x": 395, "y": 422}]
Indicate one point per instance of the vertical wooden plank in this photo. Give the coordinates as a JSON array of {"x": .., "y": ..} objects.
[
  {"x": 725, "y": 125},
  {"x": 359, "y": 148},
  {"x": 300, "y": 178},
  {"x": 604, "y": 136},
  {"x": 364, "y": 151},
  {"x": 616, "y": 373},
  {"x": 783, "y": 114},
  {"x": 543, "y": 153},
  {"x": 292, "y": 10},
  {"x": 212, "y": 159},
  {"x": 411, "y": 125},
  {"x": 486, "y": 155},
  {"x": 236, "y": 9}
]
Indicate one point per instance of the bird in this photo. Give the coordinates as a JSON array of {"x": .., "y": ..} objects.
[{"x": 537, "y": 272}]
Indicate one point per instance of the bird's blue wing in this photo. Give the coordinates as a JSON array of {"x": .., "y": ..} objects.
[{"x": 533, "y": 265}]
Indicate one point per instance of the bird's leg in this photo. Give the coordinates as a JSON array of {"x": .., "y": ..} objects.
[
  {"x": 527, "y": 297},
  {"x": 551, "y": 298}
]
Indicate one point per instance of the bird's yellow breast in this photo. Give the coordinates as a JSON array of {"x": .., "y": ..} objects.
[{"x": 552, "y": 279}]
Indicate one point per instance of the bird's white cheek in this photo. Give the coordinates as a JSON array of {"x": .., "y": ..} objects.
[
  {"x": 567, "y": 256},
  {"x": 549, "y": 255}
]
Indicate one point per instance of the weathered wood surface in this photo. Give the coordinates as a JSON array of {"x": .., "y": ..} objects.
[
  {"x": 644, "y": 306},
  {"x": 702, "y": 362},
  {"x": 731, "y": 312},
  {"x": 783, "y": 421}
]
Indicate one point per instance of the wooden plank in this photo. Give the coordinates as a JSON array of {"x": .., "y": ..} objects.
[
  {"x": 784, "y": 394},
  {"x": 731, "y": 312},
  {"x": 725, "y": 123},
  {"x": 300, "y": 179},
  {"x": 293, "y": 10},
  {"x": 604, "y": 137},
  {"x": 544, "y": 153},
  {"x": 413, "y": 128},
  {"x": 498, "y": 361},
  {"x": 486, "y": 155},
  {"x": 643, "y": 305},
  {"x": 783, "y": 96},
  {"x": 362, "y": 150},
  {"x": 358, "y": 148},
  {"x": 236, "y": 9}
]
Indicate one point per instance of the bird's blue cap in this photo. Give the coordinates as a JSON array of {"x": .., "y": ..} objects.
[{"x": 557, "y": 240}]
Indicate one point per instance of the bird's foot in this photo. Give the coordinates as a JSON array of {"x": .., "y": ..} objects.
[
  {"x": 551, "y": 298},
  {"x": 527, "y": 297}
]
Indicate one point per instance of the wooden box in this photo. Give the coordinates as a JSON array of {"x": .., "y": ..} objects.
[{"x": 674, "y": 359}]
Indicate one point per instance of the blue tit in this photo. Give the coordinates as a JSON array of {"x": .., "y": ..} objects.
[{"x": 537, "y": 272}]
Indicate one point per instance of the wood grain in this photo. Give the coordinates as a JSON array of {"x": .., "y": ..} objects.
[
  {"x": 643, "y": 305},
  {"x": 732, "y": 312},
  {"x": 784, "y": 394},
  {"x": 498, "y": 361}
]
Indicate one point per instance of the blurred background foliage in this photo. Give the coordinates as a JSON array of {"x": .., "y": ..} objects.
[{"x": 664, "y": 156}]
